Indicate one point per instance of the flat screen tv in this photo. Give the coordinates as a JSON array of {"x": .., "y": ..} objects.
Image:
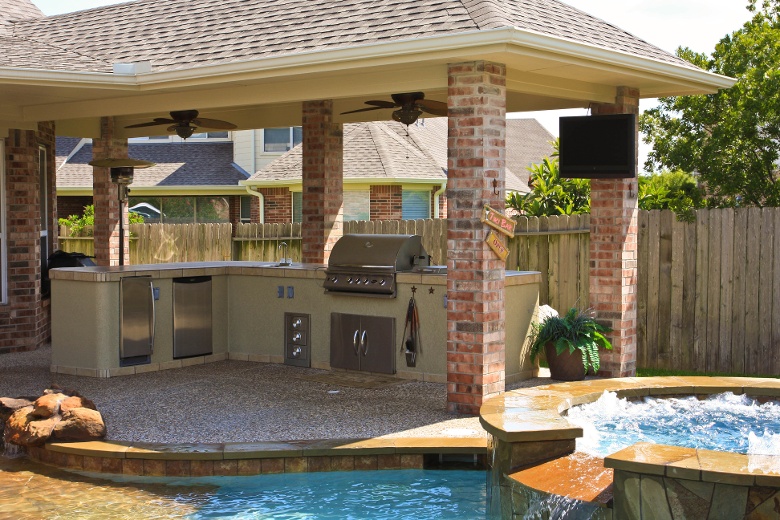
[{"x": 598, "y": 147}]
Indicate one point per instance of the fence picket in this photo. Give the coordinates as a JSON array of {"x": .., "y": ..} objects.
[
  {"x": 726, "y": 289},
  {"x": 753, "y": 362},
  {"x": 653, "y": 281},
  {"x": 765, "y": 308},
  {"x": 665, "y": 289},
  {"x": 676, "y": 293},
  {"x": 643, "y": 268}
]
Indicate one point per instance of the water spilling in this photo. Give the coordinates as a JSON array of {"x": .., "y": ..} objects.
[{"x": 723, "y": 422}]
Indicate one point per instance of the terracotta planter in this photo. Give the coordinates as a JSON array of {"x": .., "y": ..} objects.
[{"x": 565, "y": 366}]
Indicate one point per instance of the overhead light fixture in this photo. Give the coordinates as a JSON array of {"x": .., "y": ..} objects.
[
  {"x": 184, "y": 131},
  {"x": 121, "y": 175},
  {"x": 406, "y": 117}
]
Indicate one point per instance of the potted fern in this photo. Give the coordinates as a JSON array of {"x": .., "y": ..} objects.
[{"x": 571, "y": 342}]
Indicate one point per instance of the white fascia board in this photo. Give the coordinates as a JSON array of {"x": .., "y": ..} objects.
[
  {"x": 162, "y": 191},
  {"x": 100, "y": 80},
  {"x": 384, "y": 181}
]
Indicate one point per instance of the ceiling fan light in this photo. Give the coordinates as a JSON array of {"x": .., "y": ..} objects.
[
  {"x": 185, "y": 131},
  {"x": 406, "y": 117}
]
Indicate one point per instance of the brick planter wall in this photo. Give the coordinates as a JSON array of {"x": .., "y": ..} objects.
[{"x": 475, "y": 275}]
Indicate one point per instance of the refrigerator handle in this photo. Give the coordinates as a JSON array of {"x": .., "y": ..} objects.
[
  {"x": 355, "y": 342},
  {"x": 364, "y": 342},
  {"x": 154, "y": 317}
]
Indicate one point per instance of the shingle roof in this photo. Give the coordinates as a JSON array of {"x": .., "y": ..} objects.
[
  {"x": 178, "y": 164},
  {"x": 177, "y": 34},
  {"x": 527, "y": 143},
  {"x": 380, "y": 150}
]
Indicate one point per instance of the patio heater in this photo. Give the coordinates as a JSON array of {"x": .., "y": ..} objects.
[{"x": 122, "y": 176}]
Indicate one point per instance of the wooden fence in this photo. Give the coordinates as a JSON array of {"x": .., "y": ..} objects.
[{"x": 708, "y": 291}]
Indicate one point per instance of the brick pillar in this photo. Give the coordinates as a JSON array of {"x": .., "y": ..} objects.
[
  {"x": 25, "y": 320},
  {"x": 105, "y": 197},
  {"x": 613, "y": 254},
  {"x": 323, "y": 181},
  {"x": 475, "y": 275}
]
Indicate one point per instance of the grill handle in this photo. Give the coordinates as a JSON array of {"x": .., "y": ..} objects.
[
  {"x": 355, "y": 342},
  {"x": 364, "y": 342}
]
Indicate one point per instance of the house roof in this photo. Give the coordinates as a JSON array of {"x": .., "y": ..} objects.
[
  {"x": 177, "y": 165},
  {"x": 254, "y": 62},
  {"x": 383, "y": 152},
  {"x": 178, "y": 34},
  {"x": 527, "y": 143}
]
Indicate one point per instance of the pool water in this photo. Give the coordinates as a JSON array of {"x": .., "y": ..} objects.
[
  {"x": 723, "y": 422},
  {"x": 32, "y": 491}
]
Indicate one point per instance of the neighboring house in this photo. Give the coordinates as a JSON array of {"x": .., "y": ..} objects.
[
  {"x": 389, "y": 172},
  {"x": 192, "y": 181}
]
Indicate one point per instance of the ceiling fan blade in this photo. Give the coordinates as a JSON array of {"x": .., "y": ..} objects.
[
  {"x": 407, "y": 97},
  {"x": 436, "y": 108},
  {"x": 365, "y": 110},
  {"x": 157, "y": 121},
  {"x": 213, "y": 123},
  {"x": 381, "y": 104}
]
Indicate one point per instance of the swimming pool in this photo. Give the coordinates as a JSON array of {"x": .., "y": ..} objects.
[{"x": 31, "y": 491}]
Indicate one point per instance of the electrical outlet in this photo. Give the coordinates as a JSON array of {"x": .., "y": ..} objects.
[
  {"x": 290, "y": 291},
  {"x": 280, "y": 291}
]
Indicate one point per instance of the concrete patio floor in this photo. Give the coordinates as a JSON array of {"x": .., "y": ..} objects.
[{"x": 234, "y": 401}]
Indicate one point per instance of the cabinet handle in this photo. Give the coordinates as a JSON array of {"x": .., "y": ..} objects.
[
  {"x": 355, "y": 342},
  {"x": 154, "y": 318},
  {"x": 364, "y": 342}
]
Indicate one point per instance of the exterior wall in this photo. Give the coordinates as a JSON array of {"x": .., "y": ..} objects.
[
  {"x": 25, "y": 321},
  {"x": 107, "y": 210},
  {"x": 475, "y": 275},
  {"x": 67, "y": 206},
  {"x": 386, "y": 202},
  {"x": 278, "y": 205},
  {"x": 323, "y": 181},
  {"x": 613, "y": 254}
]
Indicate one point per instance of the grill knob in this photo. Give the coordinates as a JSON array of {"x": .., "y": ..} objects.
[
  {"x": 296, "y": 352},
  {"x": 334, "y": 279},
  {"x": 383, "y": 282},
  {"x": 296, "y": 323},
  {"x": 297, "y": 337}
]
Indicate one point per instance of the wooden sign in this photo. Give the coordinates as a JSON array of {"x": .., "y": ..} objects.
[
  {"x": 498, "y": 221},
  {"x": 496, "y": 243}
]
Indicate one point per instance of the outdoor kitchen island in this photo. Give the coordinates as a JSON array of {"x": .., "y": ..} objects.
[{"x": 255, "y": 311}]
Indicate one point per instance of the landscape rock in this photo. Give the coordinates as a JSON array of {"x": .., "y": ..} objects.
[
  {"x": 80, "y": 424},
  {"x": 59, "y": 414}
]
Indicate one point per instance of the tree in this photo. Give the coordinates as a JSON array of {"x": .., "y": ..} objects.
[
  {"x": 730, "y": 139},
  {"x": 551, "y": 195},
  {"x": 675, "y": 190}
]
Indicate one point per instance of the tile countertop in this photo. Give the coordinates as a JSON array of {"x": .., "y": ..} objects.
[{"x": 270, "y": 269}]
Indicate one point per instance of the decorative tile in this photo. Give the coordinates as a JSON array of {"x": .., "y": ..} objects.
[
  {"x": 318, "y": 464},
  {"x": 201, "y": 468},
  {"x": 115, "y": 466},
  {"x": 154, "y": 468},
  {"x": 269, "y": 466},
  {"x": 388, "y": 461},
  {"x": 342, "y": 463},
  {"x": 133, "y": 467},
  {"x": 177, "y": 468},
  {"x": 249, "y": 467},
  {"x": 295, "y": 465},
  {"x": 94, "y": 464},
  {"x": 366, "y": 462},
  {"x": 225, "y": 468}
]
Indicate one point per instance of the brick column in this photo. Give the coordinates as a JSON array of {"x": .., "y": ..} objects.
[
  {"x": 25, "y": 320},
  {"x": 613, "y": 254},
  {"x": 323, "y": 181},
  {"x": 105, "y": 197},
  {"x": 475, "y": 276}
]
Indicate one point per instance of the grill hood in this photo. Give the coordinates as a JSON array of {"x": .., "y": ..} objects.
[{"x": 391, "y": 252}]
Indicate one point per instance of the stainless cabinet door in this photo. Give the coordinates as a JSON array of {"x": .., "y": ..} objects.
[
  {"x": 377, "y": 344},
  {"x": 344, "y": 338},
  {"x": 136, "y": 327},
  {"x": 192, "y": 321}
]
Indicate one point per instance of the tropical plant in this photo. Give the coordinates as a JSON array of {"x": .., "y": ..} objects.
[
  {"x": 551, "y": 195},
  {"x": 576, "y": 330}
]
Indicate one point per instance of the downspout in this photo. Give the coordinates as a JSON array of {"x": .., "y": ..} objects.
[
  {"x": 260, "y": 196},
  {"x": 436, "y": 196}
]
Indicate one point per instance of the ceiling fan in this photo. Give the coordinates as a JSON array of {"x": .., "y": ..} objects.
[
  {"x": 410, "y": 106},
  {"x": 185, "y": 122}
]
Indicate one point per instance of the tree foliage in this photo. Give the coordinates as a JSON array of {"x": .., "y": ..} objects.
[
  {"x": 730, "y": 138},
  {"x": 675, "y": 190},
  {"x": 551, "y": 195},
  {"x": 83, "y": 225}
]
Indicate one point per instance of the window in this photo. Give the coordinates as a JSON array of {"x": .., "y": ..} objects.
[
  {"x": 357, "y": 205},
  {"x": 415, "y": 204},
  {"x": 297, "y": 204},
  {"x": 181, "y": 210},
  {"x": 279, "y": 140},
  {"x": 245, "y": 215},
  {"x": 43, "y": 178},
  {"x": 210, "y": 135}
]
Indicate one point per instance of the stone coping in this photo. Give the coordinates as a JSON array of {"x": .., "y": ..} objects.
[
  {"x": 233, "y": 459},
  {"x": 699, "y": 465},
  {"x": 535, "y": 414},
  {"x": 267, "y": 269}
]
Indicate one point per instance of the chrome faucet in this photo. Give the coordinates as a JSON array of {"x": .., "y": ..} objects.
[{"x": 284, "y": 260}]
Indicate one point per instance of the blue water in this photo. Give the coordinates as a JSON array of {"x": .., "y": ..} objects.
[
  {"x": 412, "y": 494},
  {"x": 723, "y": 422}
]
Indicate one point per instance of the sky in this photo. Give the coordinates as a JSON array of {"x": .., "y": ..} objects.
[{"x": 668, "y": 24}]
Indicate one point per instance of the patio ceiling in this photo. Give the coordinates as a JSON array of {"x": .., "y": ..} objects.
[{"x": 543, "y": 72}]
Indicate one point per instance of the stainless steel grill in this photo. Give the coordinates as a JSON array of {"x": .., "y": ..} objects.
[{"x": 367, "y": 264}]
